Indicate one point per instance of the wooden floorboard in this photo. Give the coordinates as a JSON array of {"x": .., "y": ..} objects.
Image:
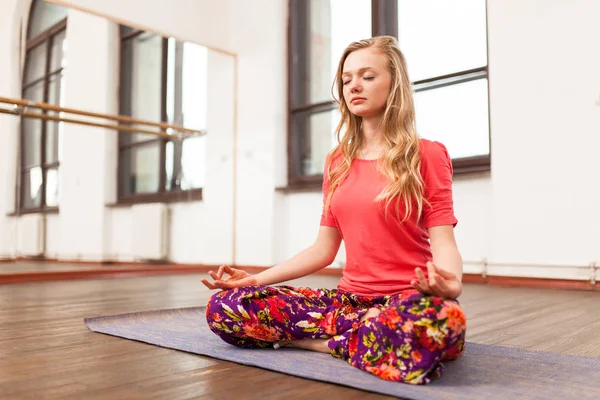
[{"x": 47, "y": 353}]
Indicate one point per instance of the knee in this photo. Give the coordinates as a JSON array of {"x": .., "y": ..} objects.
[
  {"x": 219, "y": 303},
  {"x": 214, "y": 308},
  {"x": 229, "y": 304},
  {"x": 453, "y": 318}
]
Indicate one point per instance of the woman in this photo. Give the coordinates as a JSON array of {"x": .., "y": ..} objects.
[{"x": 388, "y": 195}]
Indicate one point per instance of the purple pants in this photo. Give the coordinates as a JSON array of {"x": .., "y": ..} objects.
[{"x": 406, "y": 342}]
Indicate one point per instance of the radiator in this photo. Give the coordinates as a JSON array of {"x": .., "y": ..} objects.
[
  {"x": 31, "y": 235},
  {"x": 150, "y": 232}
]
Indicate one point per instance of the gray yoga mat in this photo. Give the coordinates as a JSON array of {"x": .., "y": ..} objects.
[{"x": 483, "y": 372}]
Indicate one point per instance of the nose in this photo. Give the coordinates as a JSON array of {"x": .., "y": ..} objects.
[{"x": 355, "y": 86}]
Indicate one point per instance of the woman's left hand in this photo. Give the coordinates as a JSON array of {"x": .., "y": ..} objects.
[{"x": 441, "y": 283}]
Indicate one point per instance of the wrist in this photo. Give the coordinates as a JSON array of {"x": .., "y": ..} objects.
[
  {"x": 259, "y": 279},
  {"x": 459, "y": 290}
]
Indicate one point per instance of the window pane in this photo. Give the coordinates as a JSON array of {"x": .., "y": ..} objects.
[
  {"x": 32, "y": 127},
  {"x": 52, "y": 186},
  {"x": 54, "y": 130},
  {"x": 173, "y": 176},
  {"x": 140, "y": 169},
  {"x": 59, "y": 51},
  {"x": 187, "y": 83},
  {"x": 141, "y": 81},
  {"x": 54, "y": 135},
  {"x": 187, "y": 106},
  {"x": 56, "y": 89},
  {"x": 185, "y": 164},
  {"x": 193, "y": 167},
  {"x": 32, "y": 141},
  {"x": 43, "y": 16},
  {"x": 35, "y": 65},
  {"x": 334, "y": 24},
  {"x": 457, "y": 116},
  {"x": 442, "y": 37},
  {"x": 314, "y": 135},
  {"x": 32, "y": 188},
  {"x": 34, "y": 92}
]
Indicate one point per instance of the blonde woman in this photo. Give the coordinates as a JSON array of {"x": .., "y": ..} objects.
[{"x": 388, "y": 194}]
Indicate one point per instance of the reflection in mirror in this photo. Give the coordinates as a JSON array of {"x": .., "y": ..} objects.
[{"x": 162, "y": 79}]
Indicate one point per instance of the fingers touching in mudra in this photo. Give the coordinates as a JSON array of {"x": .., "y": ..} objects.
[
  {"x": 439, "y": 283},
  {"x": 237, "y": 278}
]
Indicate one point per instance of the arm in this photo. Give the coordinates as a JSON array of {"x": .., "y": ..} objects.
[
  {"x": 445, "y": 251},
  {"x": 444, "y": 274},
  {"x": 319, "y": 255},
  {"x": 315, "y": 257}
]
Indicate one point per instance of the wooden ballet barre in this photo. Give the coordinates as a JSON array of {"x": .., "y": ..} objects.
[{"x": 20, "y": 108}]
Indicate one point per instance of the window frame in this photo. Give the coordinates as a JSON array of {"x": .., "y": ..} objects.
[
  {"x": 162, "y": 195},
  {"x": 46, "y": 37},
  {"x": 384, "y": 21}
]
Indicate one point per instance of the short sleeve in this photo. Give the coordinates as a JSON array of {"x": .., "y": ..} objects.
[
  {"x": 436, "y": 171},
  {"x": 327, "y": 218}
]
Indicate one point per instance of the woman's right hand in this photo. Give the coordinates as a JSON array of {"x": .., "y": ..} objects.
[{"x": 237, "y": 278}]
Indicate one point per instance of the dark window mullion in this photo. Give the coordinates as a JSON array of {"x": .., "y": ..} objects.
[
  {"x": 298, "y": 142},
  {"x": 130, "y": 35},
  {"x": 177, "y": 114},
  {"x": 44, "y": 122},
  {"x": 449, "y": 80},
  {"x": 164, "y": 115},
  {"x": 52, "y": 165},
  {"x": 384, "y": 17},
  {"x": 316, "y": 107},
  {"x": 34, "y": 82},
  {"x": 125, "y": 85},
  {"x": 126, "y": 60},
  {"x": 30, "y": 167},
  {"x": 55, "y": 72},
  {"x": 41, "y": 79},
  {"x": 42, "y": 37},
  {"x": 133, "y": 145}
]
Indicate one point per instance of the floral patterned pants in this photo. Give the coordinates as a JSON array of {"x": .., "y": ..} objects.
[{"x": 406, "y": 342}]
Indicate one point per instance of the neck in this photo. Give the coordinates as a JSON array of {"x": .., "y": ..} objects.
[{"x": 373, "y": 138}]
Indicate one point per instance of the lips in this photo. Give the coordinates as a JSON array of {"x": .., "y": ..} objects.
[{"x": 356, "y": 100}]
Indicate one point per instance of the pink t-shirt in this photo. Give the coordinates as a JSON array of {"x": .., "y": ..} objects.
[{"x": 382, "y": 253}]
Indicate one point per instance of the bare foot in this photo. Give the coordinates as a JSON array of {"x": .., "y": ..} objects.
[
  {"x": 372, "y": 312},
  {"x": 319, "y": 345}
]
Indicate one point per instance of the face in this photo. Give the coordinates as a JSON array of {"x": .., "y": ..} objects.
[{"x": 367, "y": 81}]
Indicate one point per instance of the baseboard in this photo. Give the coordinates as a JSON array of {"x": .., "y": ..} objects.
[
  {"x": 52, "y": 260},
  {"x": 542, "y": 283},
  {"x": 123, "y": 269}
]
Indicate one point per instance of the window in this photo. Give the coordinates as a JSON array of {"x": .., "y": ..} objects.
[
  {"x": 43, "y": 81},
  {"x": 446, "y": 50},
  {"x": 161, "y": 80},
  {"x": 445, "y": 44}
]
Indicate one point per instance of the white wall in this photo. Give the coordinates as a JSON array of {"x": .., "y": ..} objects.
[
  {"x": 205, "y": 22},
  {"x": 536, "y": 207},
  {"x": 84, "y": 163},
  {"x": 545, "y": 125},
  {"x": 9, "y": 87}
]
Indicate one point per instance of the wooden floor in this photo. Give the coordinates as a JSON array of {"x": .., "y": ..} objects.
[{"x": 47, "y": 353}]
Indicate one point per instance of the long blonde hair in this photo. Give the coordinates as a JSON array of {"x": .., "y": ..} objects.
[{"x": 401, "y": 161}]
